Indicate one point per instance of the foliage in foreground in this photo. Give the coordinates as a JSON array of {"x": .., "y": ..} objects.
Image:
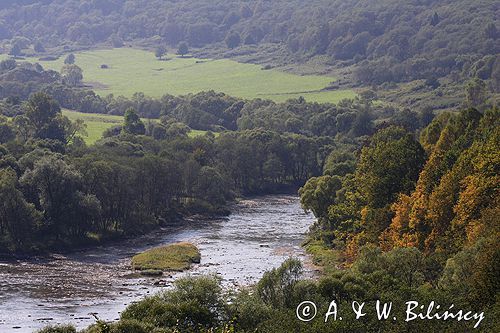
[
  {"x": 58, "y": 329},
  {"x": 202, "y": 305}
]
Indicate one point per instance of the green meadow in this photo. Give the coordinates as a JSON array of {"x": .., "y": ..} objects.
[
  {"x": 98, "y": 123},
  {"x": 174, "y": 257},
  {"x": 132, "y": 70}
]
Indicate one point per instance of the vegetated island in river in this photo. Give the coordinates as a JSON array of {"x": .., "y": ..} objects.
[{"x": 174, "y": 257}]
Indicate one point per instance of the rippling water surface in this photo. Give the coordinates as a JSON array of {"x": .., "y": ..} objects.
[{"x": 259, "y": 235}]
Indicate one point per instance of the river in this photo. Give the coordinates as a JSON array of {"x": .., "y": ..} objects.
[{"x": 259, "y": 235}]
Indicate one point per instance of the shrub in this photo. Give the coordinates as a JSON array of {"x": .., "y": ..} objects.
[{"x": 58, "y": 329}]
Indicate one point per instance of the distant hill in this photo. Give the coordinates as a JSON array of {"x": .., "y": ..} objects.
[{"x": 389, "y": 40}]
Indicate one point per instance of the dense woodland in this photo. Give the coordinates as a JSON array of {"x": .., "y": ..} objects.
[
  {"x": 433, "y": 197},
  {"x": 438, "y": 194},
  {"x": 134, "y": 179}
]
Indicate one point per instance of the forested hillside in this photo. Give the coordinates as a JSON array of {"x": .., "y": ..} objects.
[
  {"x": 438, "y": 194},
  {"x": 388, "y": 40},
  {"x": 435, "y": 197}
]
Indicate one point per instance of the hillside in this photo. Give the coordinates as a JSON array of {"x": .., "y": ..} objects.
[{"x": 363, "y": 42}]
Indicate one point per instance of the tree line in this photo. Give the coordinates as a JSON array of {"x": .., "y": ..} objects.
[
  {"x": 56, "y": 192},
  {"x": 209, "y": 110}
]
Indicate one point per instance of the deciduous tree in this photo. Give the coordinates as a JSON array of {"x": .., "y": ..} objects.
[
  {"x": 183, "y": 49},
  {"x": 133, "y": 124}
]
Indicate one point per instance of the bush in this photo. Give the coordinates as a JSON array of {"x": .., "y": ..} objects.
[
  {"x": 58, "y": 329},
  {"x": 191, "y": 304},
  {"x": 131, "y": 326},
  {"x": 276, "y": 286}
]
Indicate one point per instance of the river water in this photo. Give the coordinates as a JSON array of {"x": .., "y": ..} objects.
[{"x": 259, "y": 235}]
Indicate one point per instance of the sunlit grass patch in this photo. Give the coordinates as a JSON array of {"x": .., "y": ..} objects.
[
  {"x": 321, "y": 254},
  {"x": 174, "y": 257},
  {"x": 130, "y": 70}
]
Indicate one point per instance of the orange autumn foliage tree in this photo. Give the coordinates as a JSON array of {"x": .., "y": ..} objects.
[
  {"x": 457, "y": 184},
  {"x": 441, "y": 206}
]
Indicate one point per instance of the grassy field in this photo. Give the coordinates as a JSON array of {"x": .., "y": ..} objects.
[
  {"x": 174, "y": 257},
  {"x": 98, "y": 123},
  {"x": 132, "y": 70}
]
